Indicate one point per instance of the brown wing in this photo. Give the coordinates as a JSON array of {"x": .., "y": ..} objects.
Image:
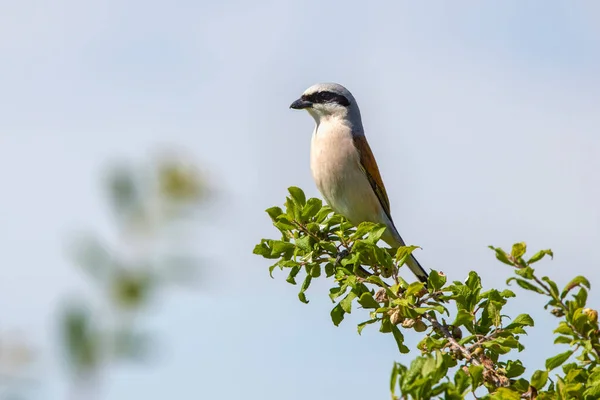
[{"x": 369, "y": 166}]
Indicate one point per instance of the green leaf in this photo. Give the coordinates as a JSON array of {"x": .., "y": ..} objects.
[
  {"x": 399, "y": 337},
  {"x": 312, "y": 207},
  {"x": 414, "y": 288},
  {"x": 375, "y": 234},
  {"x": 557, "y": 360},
  {"x": 521, "y": 320},
  {"x": 539, "y": 379},
  {"x": 501, "y": 255},
  {"x": 514, "y": 368},
  {"x": 337, "y": 314},
  {"x": 297, "y": 195},
  {"x": 315, "y": 270},
  {"x": 303, "y": 243},
  {"x": 552, "y": 284},
  {"x": 518, "y": 250},
  {"x": 526, "y": 272},
  {"x": 346, "y": 302},
  {"x": 581, "y": 297},
  {"x": 525, "y": 285},
  {"x": 592, "y": 391},
  {"x": 394, "y": 378},
  {"x": 323, "y": 214},
  {"x": 521, "y": 384},
  {"x": 539, "y": 255},
  {"x": 436, "y": 280},
  {"x": 403, "y": 252},
  {"x": 476, "y": 372},
  {"x": 336, "y": 292},
  {"x": 563, "y": 340},
  {"x": 362, "y": 229},
  {"x": 292, "y": 275},
  {"x": 274, "y": 212},
  {"x": 362, "y": 325},
  {"x": 507, "y": 293},
  {"x": 329, "y": 269},
  {"x": 263, "y": 249},
  {"x": 386, "y": 326},
  {"x": 505, "y": 394},
  {"x": 284, "y": 222},
  {"x": 280, "y": 247},
  {"x": 577, "y": 281},
  {"x": 461, "y": 380},
  {"x": 303, "y": 288},
  {"x": 463, "y": 317},
  {"x": 302, "y": 297},
  {"x": 367, "y": 301}
]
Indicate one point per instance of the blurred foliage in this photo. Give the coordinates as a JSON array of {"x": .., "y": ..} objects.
[
  {"x": 16, "y": 363},
  {"x": 128, "y": 275},
  {"x": 468, "y": 345}
]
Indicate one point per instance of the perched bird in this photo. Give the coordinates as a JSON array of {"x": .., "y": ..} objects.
[{"x": 343, "y": 165}]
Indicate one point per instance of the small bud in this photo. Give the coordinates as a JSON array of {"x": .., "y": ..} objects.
[
  {"x": 457, "y": 333},
  {"x": 557, "y": 312},
  {"x": 420, "y": 326},
  {"x": 477, "y": 351},
  {"x": 592, "y": 314},
  {"x": 396, "y": 318},
  {"x": 408, "y": 323},
  {"x": 386, "y": 272},
  {"x": 381, "y": 296}
]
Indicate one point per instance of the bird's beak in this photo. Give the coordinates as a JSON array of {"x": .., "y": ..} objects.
[{"x": 301, "y": 104}]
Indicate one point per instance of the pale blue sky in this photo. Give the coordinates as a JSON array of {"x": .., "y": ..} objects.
[{"x": 483, "y": 117}]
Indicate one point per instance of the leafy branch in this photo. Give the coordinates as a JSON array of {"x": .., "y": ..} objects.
[{"x": 465, "y": 334}]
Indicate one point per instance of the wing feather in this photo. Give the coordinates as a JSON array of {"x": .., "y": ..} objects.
[{"x": 369, "y": 167}]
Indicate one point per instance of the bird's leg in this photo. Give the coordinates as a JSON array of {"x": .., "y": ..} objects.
[{"x": 340, "y": 256}]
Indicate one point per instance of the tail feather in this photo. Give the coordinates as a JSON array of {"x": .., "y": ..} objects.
[
  {"x": 393, "y": 238},
  {"x": 417, "y": 269}
]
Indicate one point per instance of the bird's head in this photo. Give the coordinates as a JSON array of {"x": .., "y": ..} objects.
[{"x": 328, "y": 100}]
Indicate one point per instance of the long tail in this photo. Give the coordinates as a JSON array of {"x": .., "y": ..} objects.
[
  {"x": 394, "y": 239},
  {"x": 417, "y": 269}
]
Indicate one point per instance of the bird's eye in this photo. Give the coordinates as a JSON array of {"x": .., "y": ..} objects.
[
  {"x": 331, "y": 97},
  {"x": 325, "y": 97}
]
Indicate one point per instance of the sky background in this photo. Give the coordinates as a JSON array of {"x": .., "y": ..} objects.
[{"x": 483, "y": 117}]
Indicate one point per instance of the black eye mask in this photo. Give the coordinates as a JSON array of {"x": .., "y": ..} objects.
[{"x": 327, "y": 97}]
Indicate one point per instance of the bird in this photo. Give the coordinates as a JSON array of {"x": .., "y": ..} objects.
[{"x": 343, "y": 166}]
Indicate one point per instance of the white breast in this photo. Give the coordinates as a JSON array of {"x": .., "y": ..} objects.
[{"x": 335, "y": 166}]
